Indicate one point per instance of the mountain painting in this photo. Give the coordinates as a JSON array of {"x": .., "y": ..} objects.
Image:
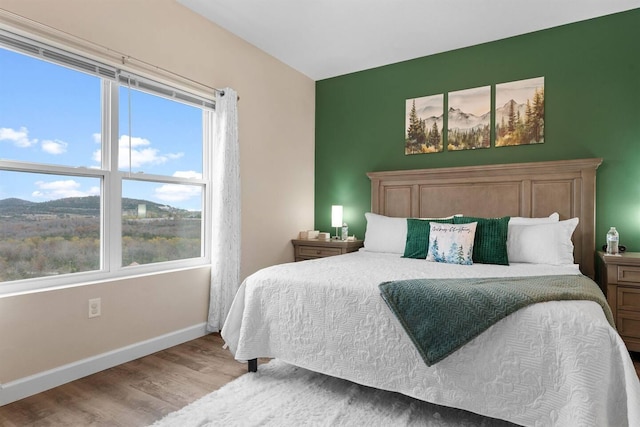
[
  {"x": 469, "y": 119},
  {"x": 424, "y": 124},
  {"x": 520, "y": 112}
]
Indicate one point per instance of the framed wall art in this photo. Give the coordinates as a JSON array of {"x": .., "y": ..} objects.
[
  {"x": 424, "y": 124},
  {"x": 520, "y": 112},
  {"x": 469, "y": 119}
]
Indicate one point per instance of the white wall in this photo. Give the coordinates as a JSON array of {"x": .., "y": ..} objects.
[{"x": 46, "y": 330}]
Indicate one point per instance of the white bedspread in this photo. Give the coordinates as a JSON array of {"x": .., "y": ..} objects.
[{"x": 555, "y": 363}]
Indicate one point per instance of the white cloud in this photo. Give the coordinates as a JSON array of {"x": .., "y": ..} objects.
[
  {"x": 57, "y": 185},
  {"x": 138, "y": 158},
  {"x": 97, "y": 138},
  {"x": 177, "y": 192},
  {"x": 61, "y": 189},
  {"x": 20, "y": 138},
  {"x": 141, "y": 153},
  {"x": 136, "y": 141},
  {"x": 188, "y": 174},
  {"x": 54, "y": 147}
]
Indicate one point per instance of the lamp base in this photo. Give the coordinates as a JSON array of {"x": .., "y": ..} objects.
[{"x": 336, "y": 237}]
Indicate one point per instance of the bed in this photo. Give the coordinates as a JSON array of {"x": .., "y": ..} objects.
[{"x": 550, "y": 363}]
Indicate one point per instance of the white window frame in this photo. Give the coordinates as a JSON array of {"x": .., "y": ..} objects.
[{"x": 113, "y": 75}]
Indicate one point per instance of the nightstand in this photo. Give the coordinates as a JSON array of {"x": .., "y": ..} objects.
[
  {"x": 620, "y": 277},
  {"x": 313, "y": 248}
]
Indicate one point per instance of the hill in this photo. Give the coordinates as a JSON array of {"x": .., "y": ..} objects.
[{"x": 83, "y": 206}]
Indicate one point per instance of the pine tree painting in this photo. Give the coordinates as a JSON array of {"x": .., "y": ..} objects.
[
  {"x": 423, "y": 124},
  {"x": 469, "y": 119},
  {"x": 520, "y": 112}
]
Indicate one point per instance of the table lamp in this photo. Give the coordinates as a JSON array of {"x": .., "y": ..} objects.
[{"x": 336, "y": 218}]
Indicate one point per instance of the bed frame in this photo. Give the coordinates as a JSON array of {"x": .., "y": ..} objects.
[{"x": 518, "y": 189}]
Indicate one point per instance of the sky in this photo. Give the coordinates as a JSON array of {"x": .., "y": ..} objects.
[
  {"x": 519, "y": 91},
  {"x": 52, "y": 115},
  {"x": 476, "y": 101}
]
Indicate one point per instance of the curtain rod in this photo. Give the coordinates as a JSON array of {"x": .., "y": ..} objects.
[
  {"x": 129, "y": 58},
  {"x": 46, "y": 34}
]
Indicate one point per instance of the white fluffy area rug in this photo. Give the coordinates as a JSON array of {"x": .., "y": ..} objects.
[{"x": 283, "y": 395}]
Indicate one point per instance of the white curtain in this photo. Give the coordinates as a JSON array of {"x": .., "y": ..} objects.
[{"x": 225, "y": 209}]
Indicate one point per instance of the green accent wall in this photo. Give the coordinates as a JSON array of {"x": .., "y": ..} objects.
[{"x": 592, "y": 109}]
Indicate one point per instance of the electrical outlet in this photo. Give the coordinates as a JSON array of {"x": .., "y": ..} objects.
[{"x": 95, "y": 307}]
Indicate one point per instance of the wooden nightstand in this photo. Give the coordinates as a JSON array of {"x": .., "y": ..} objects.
[
  {"x": 620, "y": 277},
  {"x": 311, "y": 249}
]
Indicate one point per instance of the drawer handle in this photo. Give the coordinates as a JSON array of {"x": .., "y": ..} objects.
[{"x": 318, "y": 252}]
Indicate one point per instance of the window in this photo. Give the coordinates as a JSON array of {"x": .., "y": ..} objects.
[
  {"x": 102, "y": 171},
  {"x": 154, "y": 232}
]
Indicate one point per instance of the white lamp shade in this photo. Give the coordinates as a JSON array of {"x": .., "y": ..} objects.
[{"x": 336, "y": 216}]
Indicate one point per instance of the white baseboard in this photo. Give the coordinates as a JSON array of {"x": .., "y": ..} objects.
[{"x": 27, "y": 386}]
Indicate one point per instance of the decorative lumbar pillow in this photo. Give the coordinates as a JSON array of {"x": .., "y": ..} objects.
[
  {"x": 418, "y": 231},
  {"x": 542, "y": 243},
  {"x": 451, "y": 243},
  {"x": 385, "y": 234},
  {"x": 490, "y": 245}
]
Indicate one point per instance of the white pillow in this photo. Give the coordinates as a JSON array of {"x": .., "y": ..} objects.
[
  {"x": 444, "y": 217},
  {"x": 542, "y": 243},
  {"x": 385, "y": 233},
  {"x": 451, "y": 243},
  {"x": 521, "y": 220}
]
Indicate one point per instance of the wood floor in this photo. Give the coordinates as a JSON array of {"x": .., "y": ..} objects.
[{"x": 137, "y": 393}]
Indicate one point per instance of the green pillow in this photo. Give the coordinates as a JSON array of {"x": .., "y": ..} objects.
[
  {"x": 490, "y": 246},
  {"x": 418, "y": 230}
]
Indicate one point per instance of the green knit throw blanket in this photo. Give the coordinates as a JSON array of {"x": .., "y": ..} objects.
[{"x": 441, "y": 315}]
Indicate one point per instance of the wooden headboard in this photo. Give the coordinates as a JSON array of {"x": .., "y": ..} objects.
[{"x": 519, "y": 189}]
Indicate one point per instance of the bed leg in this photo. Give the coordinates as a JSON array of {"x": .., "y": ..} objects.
[{"x": 252, "y": 365}]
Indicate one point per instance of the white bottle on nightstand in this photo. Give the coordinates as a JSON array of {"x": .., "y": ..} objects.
[
  {"x": 345, "y": 231},
  {"x": 612, "y": 241}
]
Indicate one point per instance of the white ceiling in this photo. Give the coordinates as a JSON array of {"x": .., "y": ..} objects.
[{"x": 327, "y": 38}]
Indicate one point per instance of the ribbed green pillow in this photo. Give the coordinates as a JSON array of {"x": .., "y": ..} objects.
[
  {"x": 418, "y": 236},
  {"x": 490, "y": 246}
]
